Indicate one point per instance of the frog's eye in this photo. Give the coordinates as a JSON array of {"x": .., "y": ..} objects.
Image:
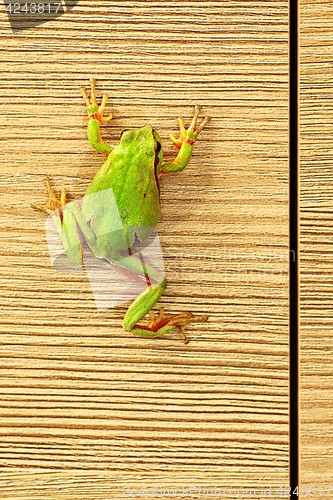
[
  {"x": 126, "y": 130},
  {"x": 158, "y": 147}
]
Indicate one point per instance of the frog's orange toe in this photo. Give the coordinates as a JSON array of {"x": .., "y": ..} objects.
[
  {"x": 95, "y": 111},
  {"x": 53, "y": 202},
  {"x": 178, "y": 321},
  {"x": 190, "y": 135}
]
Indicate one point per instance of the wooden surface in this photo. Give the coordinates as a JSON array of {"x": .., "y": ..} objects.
[
  {"x": 87, "y": 408},
  {"x": 316, "y": 208}
]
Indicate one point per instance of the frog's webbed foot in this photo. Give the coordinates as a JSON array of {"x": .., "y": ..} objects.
[
  {"x": 53, "y": 202},
  {"x": 95, "y": 111},
  {"x": 163, "y": 324},
  {"x": 190, "y": 135}
]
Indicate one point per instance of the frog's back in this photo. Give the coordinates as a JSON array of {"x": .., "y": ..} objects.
[{"x": 130, "y": 172}]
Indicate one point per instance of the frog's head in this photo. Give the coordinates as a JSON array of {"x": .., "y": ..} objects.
[{"x": 146, "y": 140}]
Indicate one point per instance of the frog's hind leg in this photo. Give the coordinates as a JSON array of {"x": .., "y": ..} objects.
[
  {"x": 160, "y": 325},
  {"x": 64, "y": 222},
  {"x": 53, "y": 202}
]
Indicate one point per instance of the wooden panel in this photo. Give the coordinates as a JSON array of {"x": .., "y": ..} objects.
[
  {"x": 316, "y": 190},
  {"x": 87, "y": 408}
]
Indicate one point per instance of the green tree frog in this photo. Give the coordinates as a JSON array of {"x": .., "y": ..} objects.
[{"x": 131, "y": 170}]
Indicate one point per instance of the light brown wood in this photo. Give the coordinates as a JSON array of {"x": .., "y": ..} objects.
[
  {"x": 316, "y": 181},
  {"x": 87, "y": 408}
]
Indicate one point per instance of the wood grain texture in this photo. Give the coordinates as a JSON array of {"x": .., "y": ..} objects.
[
  {"x": 87, "y": 408},
  {"x": 316, "y": 208}
]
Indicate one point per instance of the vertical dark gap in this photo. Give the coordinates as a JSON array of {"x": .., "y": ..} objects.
[{"x": 293, "y": 256}]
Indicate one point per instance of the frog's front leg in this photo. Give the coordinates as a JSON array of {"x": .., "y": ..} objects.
[
  {"x": 160, "y": 325},
  {"x": 185, "y": 143},
  {"x": 96, "y": 118}
]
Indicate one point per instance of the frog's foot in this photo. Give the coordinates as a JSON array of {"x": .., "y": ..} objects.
[
  {"x": 95, "y": 111},
  {"x": 190, "y": 135},
  {"x": 163, "y": 324},
  {"x": 53, "y": 202}
]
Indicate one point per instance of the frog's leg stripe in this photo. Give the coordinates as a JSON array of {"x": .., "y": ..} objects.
[{"x": 137, "y": 270}]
